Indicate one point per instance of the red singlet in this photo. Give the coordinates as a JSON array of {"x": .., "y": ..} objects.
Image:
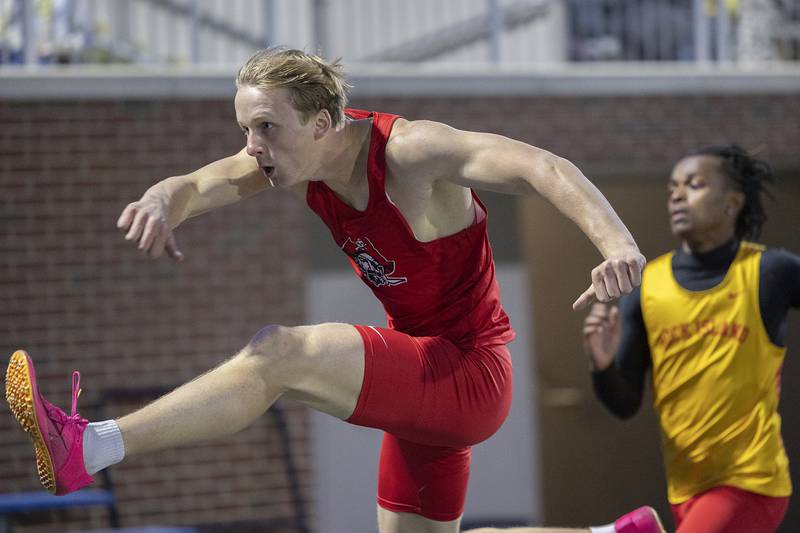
[{"x": 438, "y": 380}]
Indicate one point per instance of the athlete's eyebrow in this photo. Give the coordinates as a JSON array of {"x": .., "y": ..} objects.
[{"x": 258, "y": 119}]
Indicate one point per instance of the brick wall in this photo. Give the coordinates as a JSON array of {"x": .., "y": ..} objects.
[
  {"x": 623, "y": 135},
  {"x": 76, "y": 296}
]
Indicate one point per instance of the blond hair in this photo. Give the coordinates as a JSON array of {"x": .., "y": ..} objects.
[{"x": 313, "y": 83}]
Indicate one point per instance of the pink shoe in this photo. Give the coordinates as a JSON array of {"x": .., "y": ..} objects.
[
  {"x": 57, "y": 438},
  {"x": 642, "y": 520}
]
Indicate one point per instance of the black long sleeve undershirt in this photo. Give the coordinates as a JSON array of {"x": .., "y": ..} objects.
[{"x": 620, "y": 386}]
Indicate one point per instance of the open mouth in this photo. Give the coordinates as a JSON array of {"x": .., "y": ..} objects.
[{"x": 268, "y": 171}]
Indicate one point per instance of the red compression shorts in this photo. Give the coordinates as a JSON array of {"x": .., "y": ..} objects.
[
  {"x": 433, "y": 400},
  {"x": 729, "y": 510}
]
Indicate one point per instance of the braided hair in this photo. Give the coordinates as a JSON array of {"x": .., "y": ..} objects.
[{"x": 749, "y": 175}]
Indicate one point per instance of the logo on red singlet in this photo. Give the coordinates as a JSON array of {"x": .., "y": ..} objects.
[{"x": 373, "y": 265}]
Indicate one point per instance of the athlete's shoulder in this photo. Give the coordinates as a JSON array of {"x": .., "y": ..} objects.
[
  {"x": 418, "y": 145},
  {"x": 411, "y": 136},
  {"x": 781, "y": 253},
  {"x": 780, "y": 262},
  {"x": 779, "y": 273}
]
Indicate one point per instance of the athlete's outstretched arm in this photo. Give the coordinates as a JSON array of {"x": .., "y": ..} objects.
[
  {"x": 497, "y": 163},
  {"x": 149, "y": 221}
]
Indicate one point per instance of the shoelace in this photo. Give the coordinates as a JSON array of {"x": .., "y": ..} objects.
[
  {"x": 58, "y": 416},
  {"x": 76, "y": 391}
]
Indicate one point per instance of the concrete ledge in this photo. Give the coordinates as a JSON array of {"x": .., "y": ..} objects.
[{"x": 605, "y": 79}]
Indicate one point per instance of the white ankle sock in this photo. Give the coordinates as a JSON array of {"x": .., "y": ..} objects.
[
  {"x": 604, "y": 529},
  {"x": 102, "y": 446}
]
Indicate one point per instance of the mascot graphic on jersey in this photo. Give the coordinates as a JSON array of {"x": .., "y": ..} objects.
[{"x": 373, "y": 265}]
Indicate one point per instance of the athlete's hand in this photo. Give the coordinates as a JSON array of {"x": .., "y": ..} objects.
[
  {"x": 145, "y": 222},
  {"x": 601, "y": 333},
  {"x": 615, "y": 276}
]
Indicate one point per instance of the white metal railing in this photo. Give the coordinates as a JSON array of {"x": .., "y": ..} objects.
[{"x": 470, "y": 32}]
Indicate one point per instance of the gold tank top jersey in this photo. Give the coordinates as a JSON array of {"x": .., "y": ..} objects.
[{"x": 716, "y": 381}]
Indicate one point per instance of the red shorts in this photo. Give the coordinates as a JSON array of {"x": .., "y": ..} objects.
[
  {"x": 433, "y": 400},
  {"x": 729, "y": 510}
]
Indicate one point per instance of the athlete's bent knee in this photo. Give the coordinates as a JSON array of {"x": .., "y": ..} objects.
[
  {"x": 263, "y": 337},
  {"x": 274, "y": 344}
]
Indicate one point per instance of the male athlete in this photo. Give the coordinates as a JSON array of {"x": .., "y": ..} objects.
[
  {"x": 397, "y": 196},
  {"x": 710, "y": 322}
]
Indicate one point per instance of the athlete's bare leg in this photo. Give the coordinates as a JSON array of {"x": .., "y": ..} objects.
[{"x": 321, "y": 366}]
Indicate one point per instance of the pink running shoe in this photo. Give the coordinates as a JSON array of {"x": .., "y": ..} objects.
[
  {"x": 57, "y": 438},
  {"x": 642, "y": 520}
]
